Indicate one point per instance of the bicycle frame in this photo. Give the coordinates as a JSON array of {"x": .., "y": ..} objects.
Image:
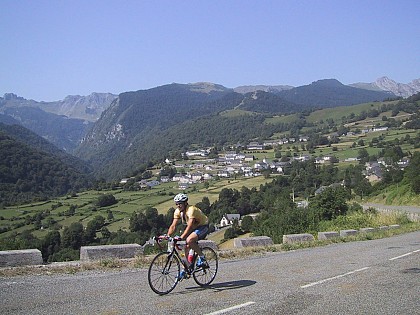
[{"x": 175, "y": 248}]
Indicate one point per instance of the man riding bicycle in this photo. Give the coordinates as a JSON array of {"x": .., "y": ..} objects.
[{"x": 197, "y": 226}]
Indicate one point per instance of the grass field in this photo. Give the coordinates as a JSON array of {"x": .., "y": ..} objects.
[{"x": 159, "y": 197}]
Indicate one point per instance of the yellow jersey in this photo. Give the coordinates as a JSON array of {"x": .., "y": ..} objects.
[{"x": 192, "y": 213}]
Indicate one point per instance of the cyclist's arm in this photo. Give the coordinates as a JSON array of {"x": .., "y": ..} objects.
[{"x": 173, "y": 226}]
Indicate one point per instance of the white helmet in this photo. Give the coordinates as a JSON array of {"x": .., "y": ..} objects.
[{"x": 181, "y": 198}]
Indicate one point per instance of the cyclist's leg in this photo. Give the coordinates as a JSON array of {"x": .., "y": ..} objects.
[
  {"x": 192, "y": 241},
  {"x": 198, "y": 234}
]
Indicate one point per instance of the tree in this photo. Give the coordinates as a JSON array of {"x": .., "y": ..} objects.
[
  {"x": 282, "y": 217},
  {"x": 50, "y": 245},
  {"x": 73, "y": 236},
  {"x": 230, "y": 233},
  {"x": 412, "y": 173},
  {"x": 204, "y": 205},
  {"x": 331, "y": 203},
  {"x": 92, "y": 227},
  {"x": 106, "y": 200},
  {"x": 363, "y": 156},
  {"x": 247, "y": 223}
]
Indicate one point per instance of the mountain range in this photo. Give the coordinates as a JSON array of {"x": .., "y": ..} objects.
[
  {"x": 117, "y": 134},
  {"x": 87, "y": 108},
  {"x": 90, "y": 108},
  {"x": 148, "y": 125},
  {"x": 386, "y": 84}
]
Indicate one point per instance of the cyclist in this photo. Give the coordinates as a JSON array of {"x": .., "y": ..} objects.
[{"x": 197, "y": 227}]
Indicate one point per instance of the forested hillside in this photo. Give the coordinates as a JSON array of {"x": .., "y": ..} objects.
[
  {"x": 63, "y": 132},
  {"x": 33, "y": 169},
  {"x": 147, "y": 126},
  {"x": 331, "y": 93}
]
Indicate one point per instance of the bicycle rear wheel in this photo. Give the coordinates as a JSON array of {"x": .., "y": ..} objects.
[
  {"x": 163, "y": 273},
  {"x": 205, "y": 275}
]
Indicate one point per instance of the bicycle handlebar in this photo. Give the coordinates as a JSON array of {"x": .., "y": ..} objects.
[{"x": 165, "y": 237}]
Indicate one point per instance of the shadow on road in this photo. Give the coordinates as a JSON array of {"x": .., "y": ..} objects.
[{"x": 229, "y": 285}]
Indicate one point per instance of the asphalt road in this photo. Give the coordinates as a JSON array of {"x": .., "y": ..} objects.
[{"x": 369, "y": 277}]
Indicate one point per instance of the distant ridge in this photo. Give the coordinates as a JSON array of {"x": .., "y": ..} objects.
[
  {"x": 331, "y": 93},
  {"x": 386, "y": 84},
  {"x": 265, "y": 88},
  {"x": 88, "y": 108}
]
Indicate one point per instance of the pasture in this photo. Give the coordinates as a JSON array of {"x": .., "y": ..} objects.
[{"x": 63, "y": 211}]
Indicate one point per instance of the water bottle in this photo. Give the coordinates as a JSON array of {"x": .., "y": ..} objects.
[
  {"x": 170, "y": 245},
  {"x": 191, "y": 256}
]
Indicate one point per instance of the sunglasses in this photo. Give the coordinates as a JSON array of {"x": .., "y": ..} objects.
[{"x": 179, "y": 203}]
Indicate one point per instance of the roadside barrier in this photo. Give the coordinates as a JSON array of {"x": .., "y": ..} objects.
[
  {"x": 22, "y": 257},
  {"x": 88, "y": 253},
  {"x": 27, "y": 257}
]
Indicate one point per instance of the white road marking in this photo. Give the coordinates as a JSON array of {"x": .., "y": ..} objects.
[
  {"x": 230, "y": 308},
  {"x": 410, "y": 253},
  {"x": 333, "y": 278}
]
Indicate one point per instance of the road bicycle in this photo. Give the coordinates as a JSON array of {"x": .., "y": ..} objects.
[{"x": 165, "y": 268}]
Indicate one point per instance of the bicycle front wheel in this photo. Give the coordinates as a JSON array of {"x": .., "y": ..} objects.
[
  {"x": 163, "y": 273},
  {"x": 205, "y": 275}
]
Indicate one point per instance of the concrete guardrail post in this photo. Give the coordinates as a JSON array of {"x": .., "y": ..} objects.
[{"x": 23, "y": 257}]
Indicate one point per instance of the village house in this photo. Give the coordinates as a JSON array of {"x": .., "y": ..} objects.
[
  {"x": 228, "y": 219},
  {"x": 125, "y": 180},
  {"x": 223, "y": 173},
  {"x": 373, "y": 171},
  {"x": 246, "y": 170},
  {"x": 271, "y": 143},
  {"x": 152, "y": 183},
  {"x": 323, "y": 159},
  {"x": 236, "y": 162},
  {"x": 403, "y": 163},
  {"x": 196, "y": 153},
  {"x": 255, "y": 146},
  {"x": 230, "y": 155},
  {"x": 185, "y": 180},
  {"x": 164, "y": 179},
  {"x": 196, "y": 177},
  {"x": 177, "y": 177},
  {"x": 260, "y": 166},
  {"x": 302, "y": 158},
  {"x": 380, "y": 129},
  {"x": 277, "y": 167},
  {"x": 207, "y": 176},
  {"x": 249, "y": 158},
  {"x": 352, "y": 159}
]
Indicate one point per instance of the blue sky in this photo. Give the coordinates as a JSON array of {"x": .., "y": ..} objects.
[{"x": 54, "y": 48}]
